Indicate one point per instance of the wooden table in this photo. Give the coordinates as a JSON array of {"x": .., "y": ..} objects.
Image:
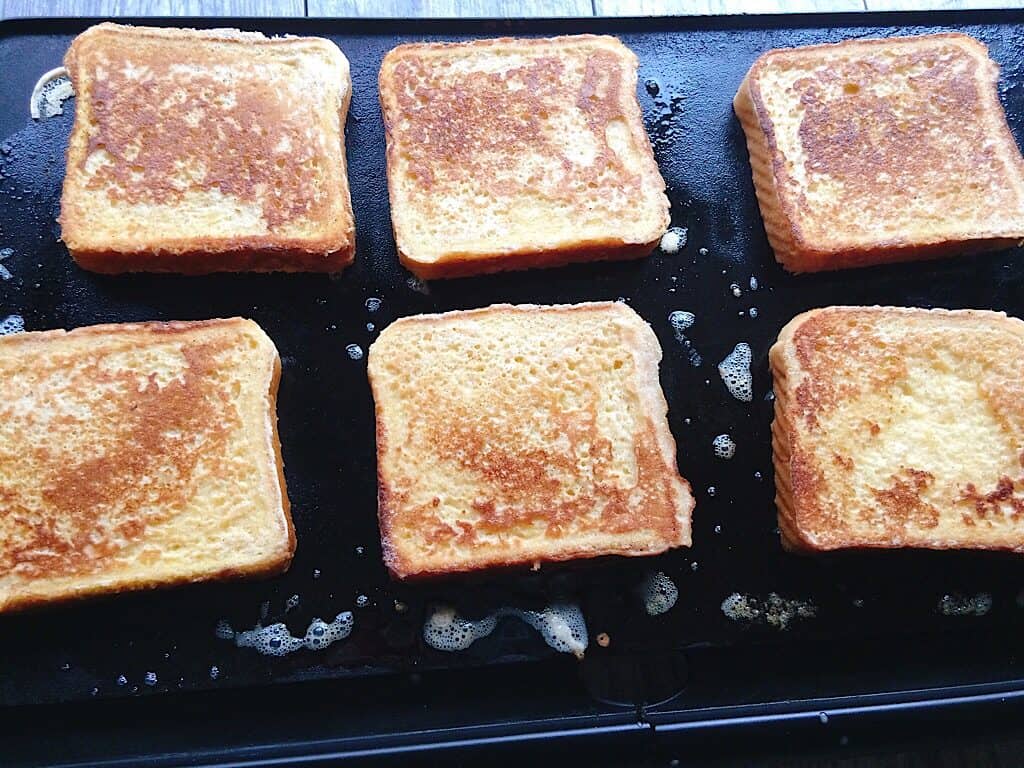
[
  {"x": 986, "y": 750},
  {"x": 465, "y": 8}
]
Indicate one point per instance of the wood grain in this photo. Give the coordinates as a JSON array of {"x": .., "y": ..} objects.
[
  {"x": 467, "y": 8},
  {"x": 10, "y": 9},
  {"x": 450, "y": 8},
  {"x": 937, "y": 5},
  {"x": 714, "y": 7}
]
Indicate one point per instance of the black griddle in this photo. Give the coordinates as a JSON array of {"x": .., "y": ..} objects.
[{"x": 130, "y": 678}]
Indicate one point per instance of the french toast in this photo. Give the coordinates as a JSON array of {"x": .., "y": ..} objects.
[
  {"x": 514, "y": 435},
  {"x": 873, "y": 151},
  {"x": 199, "y": 151},
  {"x": 899, "y": 427},
  {"x": 515, "y": 153},
  {"x": 138, "y": 455}
]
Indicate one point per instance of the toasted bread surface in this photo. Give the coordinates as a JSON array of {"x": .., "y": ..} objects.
[
  {"x": 515, "y": 153},
  {"x": 520, "y": 434},
  {"x": 871, "y": 151},
  {"x": 206, "y": 151},
  {"x": 138, "y": 455},
  {"x": 898, "y": 427}
]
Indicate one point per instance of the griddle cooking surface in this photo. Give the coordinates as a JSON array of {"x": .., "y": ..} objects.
[{"x": 691, "y": 68}]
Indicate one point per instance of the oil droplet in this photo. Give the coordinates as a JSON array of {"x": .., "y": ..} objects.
[
  {"x": 718, "y": 529},
  {"x": 362, "y": 601},
  {"x": 753, "y": 283},
  {"x": 214, "y": 672},
  {"x": 150, "y": 679},
  {"x": 711, "y": 490},
  {"x": 823, "y": 718},
  {"x": 703, "y": 251},
  {"x": 122, "y": 680},
  {"x": 735, "y": 290}
]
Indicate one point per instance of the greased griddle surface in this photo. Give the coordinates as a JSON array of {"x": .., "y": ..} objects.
[{"x": 689, "y": 71}]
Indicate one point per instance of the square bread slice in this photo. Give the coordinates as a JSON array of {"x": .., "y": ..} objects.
[
  {"x": 874, "y": 151},
  {"x": 899, "y": 428},
  {"x": 138, "y": 455},
  {"x": 516, "y": 153},
  {"x": 200, "y": 151},
  {"x": 519, "y": 434}
]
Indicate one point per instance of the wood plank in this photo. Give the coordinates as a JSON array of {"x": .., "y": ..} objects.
[
  {"x": 10, "y": 9},
  {"x": 715, "y": 7},
  {"x": 943, "y": 5},
  {"x": 449, "y": 8}
]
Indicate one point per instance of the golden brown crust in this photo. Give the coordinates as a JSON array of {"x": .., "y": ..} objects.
[
  {"x": 97, "y": 509},
  {"x": 881, "y": 154},
  {"x": 858, "y": 466},
  {"x": 172, "y": 121},
  {"x": 511, "y": 452},
  {"x": 459, "y": 138}
]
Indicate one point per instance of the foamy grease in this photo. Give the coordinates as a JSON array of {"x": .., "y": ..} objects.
[
  {"x": 354, "y": 351},
  {"x": 276, "y": 640},
  {"x": 673, "y": 240},
  {"x": 415, "y": 284},
  {"x": 681, "y": 321},
  {"x": 735, "y": 372},
  {"x": 725, "y": 447},
  {"x": 775, "y": 611},
  {"x": 12, "y": 324},
  {"x": 50, "y": 93},
  {"x": 957, "y": 604},
  {"x": 659, "y": 593},
  {"x": 561, "y": 625},
  {"x": 5, "y": 253}
]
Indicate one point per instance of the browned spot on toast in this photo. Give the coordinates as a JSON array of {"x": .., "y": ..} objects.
[
  {"x": 860, "y": 134},
  {"x": 452, "y": 135},
  {"x": 822, "y": 348},
  {"x": 98, "y": 506},
  {"x": 842, "y": 461},
  {"x": 992, "y": 502},
  {"x": 164, "y": 140},
  {"x": 902, "y": 504}
]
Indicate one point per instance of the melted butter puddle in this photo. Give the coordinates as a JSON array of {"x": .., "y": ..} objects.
[
  {"x": 277, "y": 640},
  {"x": 561, "y": 625}
]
